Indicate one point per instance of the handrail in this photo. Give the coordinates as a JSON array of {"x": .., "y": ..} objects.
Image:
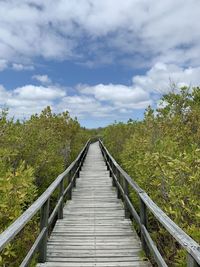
[
  {"x": 42, "y": 203},
  {"x": 191, "y": 246}
]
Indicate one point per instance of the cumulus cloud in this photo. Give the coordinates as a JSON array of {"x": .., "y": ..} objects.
[
  {"x": 117, "y": 101},
  {"x": 145, "y": 90},
  {"x": 4, "y": 95},
  {"x": 85, "y": 107},
  {"x": 3, "y": 64},
  {"x": 21, "y": 67},
  {"x": 159, "y": 77},
  {"x": 119, "y": 95},
  {"x": 31, "y": 92},
  {"x": 140, "y": 30},
  {"x": 42, "y": 78},
  {"x": 162, "y": 37},
  {"x": 29, "y": 99}
]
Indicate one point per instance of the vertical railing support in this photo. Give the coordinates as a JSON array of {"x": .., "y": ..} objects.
[
  {"x": 191, "y": 262},
  {"x": 74, "y": 183},
  {"x": 118, "y": 179},
  {"x": 143, "y": 221},
  {"x": 107, "y": 161},
  {"x": 70, "y": 190},
  {"x": 81, "y": 162},
  {"x": 74, "y": 175},
  {"x": 114, "y": 172},
  {"x": 60, "y": 210},
  {"x": 126, "y": 192},
  {"x": 78, "y": 172},
  {"x": 44, "y": 224},
  {"x": 110, "y": 172}
]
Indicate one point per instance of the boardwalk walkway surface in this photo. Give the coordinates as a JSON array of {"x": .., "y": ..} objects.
[{"x": 94, "y": 231}]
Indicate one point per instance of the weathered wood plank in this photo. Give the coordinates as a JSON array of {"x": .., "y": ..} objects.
[
  {"x": 98, "y": 264},
  {"x": 94, "y": 231},
  {"x": 118, "y": 247},
  {"x": 96, "y": 259}
]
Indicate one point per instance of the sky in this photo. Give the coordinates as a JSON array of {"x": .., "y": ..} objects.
[{"x": 102, "y": 60}]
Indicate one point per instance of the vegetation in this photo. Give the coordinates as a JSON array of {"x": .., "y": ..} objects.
[
  {"x": 32, "y": 154},
  {"x": 162, "y": 154}
]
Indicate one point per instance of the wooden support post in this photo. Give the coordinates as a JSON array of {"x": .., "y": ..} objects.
[
  {"x": 70, "y": 190},
  {"x": 107, "y": 161},
  {"x": 44, "y": 224},
  {"x": 114, "y": 172},
  {"x": 74, "y": 183},
  {"x": 110, "y": 163},
  {"x": 143, "y": 221},
  {"x": 81, "y": 163},
  {"x": 126, "y": 192},
  {"x": 75, "y": 175},
  {"x": 118, "y": 179},
  {"x": 104, "y": 154},
  {"x": 191, "y": 262},
  {"x": 60, "y": 210},
  {"x": 78, "y": 172}
]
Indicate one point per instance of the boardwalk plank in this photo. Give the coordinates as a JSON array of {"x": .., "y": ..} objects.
[{"x": 94, "y": 231}]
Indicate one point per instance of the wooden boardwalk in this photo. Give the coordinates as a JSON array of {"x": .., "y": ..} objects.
[{"x": 94, "y": 231}]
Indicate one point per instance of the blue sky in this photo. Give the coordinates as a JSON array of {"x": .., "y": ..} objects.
[{"x": 102, "y": 60}]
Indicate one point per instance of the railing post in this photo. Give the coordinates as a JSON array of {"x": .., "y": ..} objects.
[
  {"x": 110, "y": 172},
  {"x": 60, "y": 211},
  {"x": 114, "y": 172},
  {"x": 143, "y": 221},
  {"x": 78, "y": 172},
  {"x": 126, "y": 192},
  {"x": 44, "y": 224},
  {"x": 70, "y": 190},
  {"x": 118, "y": 179},
  {"x": 107, "y": 161},
  {"x": 74, "y": 174},
  {"x": 82, "y": 160},
  {"x": 191, "y": 262},
  {"x": 104, "y": 154}
]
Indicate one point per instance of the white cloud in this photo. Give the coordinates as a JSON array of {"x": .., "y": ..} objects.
[
  {"x": 29, "y": 99},
  {"x": 83, "y": 106},
  {"x": 42, "y": 78},
  {"x": 159, "y": 77},
  {"x": 115, "y": 101},
  {"x": 119, "y": 95},
  {"x": 21, "y": 67},
  {"x": 31, "y": 92},
  {"x": 3, "y": 64},
  {"x": 4, "y": 95},
  {"x": 145, "y": 90},
  {"x": 166, "y": 31}
]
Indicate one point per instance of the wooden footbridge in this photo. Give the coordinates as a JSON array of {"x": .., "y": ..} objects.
[{"x": 91, "y": 224}]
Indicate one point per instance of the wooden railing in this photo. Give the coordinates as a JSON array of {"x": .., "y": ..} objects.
[
  {"x": 64, "y": 183},
  {"x": 123, "y": 182}
]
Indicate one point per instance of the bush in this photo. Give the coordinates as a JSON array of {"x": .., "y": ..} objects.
[{"x": 162, "y": 155}]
